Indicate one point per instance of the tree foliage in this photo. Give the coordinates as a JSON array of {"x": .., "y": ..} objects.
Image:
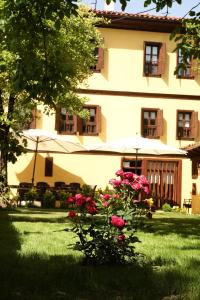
[{"x": 46, "y": 52}]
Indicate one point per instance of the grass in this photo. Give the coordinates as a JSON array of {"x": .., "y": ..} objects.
[{"x": 36, "y": 262}]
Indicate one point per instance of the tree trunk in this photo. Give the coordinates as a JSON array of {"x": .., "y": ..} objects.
[{"x": 4, "y": 154}]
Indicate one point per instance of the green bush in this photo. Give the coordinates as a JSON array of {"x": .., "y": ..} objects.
[
  {"x": 166, "y": 207},
  {"x": 48, "y": 199}
]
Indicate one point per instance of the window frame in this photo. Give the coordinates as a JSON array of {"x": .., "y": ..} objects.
[
  {"x": 193, "y": 125},
  {"x": 158, "y": 126},
  {"x": 100, "y": 60},
  {"x": 78, "y": 122},
  {"x": 190, "y": 64},
  {"x": 161, "y": 57}
]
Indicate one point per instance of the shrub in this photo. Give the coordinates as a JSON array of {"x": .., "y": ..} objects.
[
  {"x": 108, "y": 236},
  {"x": 166, "y": 207},
  {"x": 48, "y": 199}
]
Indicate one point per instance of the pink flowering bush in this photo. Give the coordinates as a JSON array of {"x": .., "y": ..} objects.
[{"x": 106, "y": 222}]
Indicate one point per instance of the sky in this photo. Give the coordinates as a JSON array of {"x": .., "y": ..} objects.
[{"x": 136, "y": 6}]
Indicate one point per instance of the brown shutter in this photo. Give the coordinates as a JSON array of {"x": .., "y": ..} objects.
[
  {"x": 98, "y": 119},
  {"x": 57, "y": 119},
  {"x": 100, "y": 62},
  {"x": 75, "y": 123},
  {"x": 34, "y": 116},
  {"x": 194, "y": 168},
  {"x": 159, "y": 123},
  {"x": 194, "y": 124},
  {"x": 193, "y": 69},
  {"x": 162, "y": 59},
  {"x": 49, "y": 166},
  {"x": 79, "y": 125}
]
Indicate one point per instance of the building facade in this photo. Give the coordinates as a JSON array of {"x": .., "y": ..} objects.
[{"x": 133, "y": 91}]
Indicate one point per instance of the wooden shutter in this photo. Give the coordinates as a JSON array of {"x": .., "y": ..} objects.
[
  {"x": 100, "y": 62},
  {"x": 195, "y": 168},
  {"x": 57, "y": 119},
  {"x": 159, "y": 123},
  {"x": 79, "y": 125},
  {"x": 193, "y": 69},
  {"x": 162, "y": 59},
  {"x": 34, "y": 116},
  {"x": 194, "y": 124},
  {"x": 75, "y": 124},
  {"x": 49, "y": 166},
  {"x": 98, "y": 119}
]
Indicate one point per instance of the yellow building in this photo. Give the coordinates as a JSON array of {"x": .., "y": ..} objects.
[{"x": 133, "y": 90}]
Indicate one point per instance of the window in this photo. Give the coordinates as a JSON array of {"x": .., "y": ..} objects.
[
  {"x": 99, "y": 53},
  {"x": 71, "y": 124},
  {"x": 154, "y": 58},
  {"x": 48, "y": 166},
  {"x": 152, "y": 123},
  {"x": 184, "y": 72},
  {"x": 187, "y": 124},
  {"x": 35, "y": 116}
]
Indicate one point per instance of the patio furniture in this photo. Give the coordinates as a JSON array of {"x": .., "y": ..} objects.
[
  {"x": 74, "y": 187},
  {"x": 41, "y": 189},
  {"x": 23, "y": 189},
  {"x": 187, "y": 204}
]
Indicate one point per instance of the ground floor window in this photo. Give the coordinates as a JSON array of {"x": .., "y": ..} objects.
[{"x": 164, "y": 177}]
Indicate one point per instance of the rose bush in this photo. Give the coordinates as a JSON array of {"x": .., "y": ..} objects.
[{"x": 106, "y": 223}]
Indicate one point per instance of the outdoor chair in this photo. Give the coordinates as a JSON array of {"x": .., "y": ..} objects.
[
  {"x": 74, "y": 187},
  {"x": 58, "y": 187},
  {"x": 59, "y": 184},
  {"x": 41, "y": 189},
  {"x": 23, "y": 189}
]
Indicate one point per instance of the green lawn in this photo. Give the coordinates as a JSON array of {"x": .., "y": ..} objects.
[{"x": 36, "y": 262}]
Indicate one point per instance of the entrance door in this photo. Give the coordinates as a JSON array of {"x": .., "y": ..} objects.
[{"x": 165, "y": 180}]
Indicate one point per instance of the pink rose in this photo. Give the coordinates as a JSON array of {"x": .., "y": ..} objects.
[
  {"x": 106, "y": 196},
  {"x": 146, "y": 190},
  {"x": 126, "y": 182},
  {"x": 91, "y": 209},
  {"x": 105, "y": 204},
  {"x": 115, "y": 182},
  {"x": 120, "y": 173},
  {"x": 136, "y": 186},
  {"x": 70, "y": 199},
  {"x": 72, "y": 214},
  {"x": 79, "y": 199},
  {"x": 143, "y": 180},
  {"x": 117, "y": 222},
  {"x": 128, "y": 175},
  {"x": 121, "y": 237}
]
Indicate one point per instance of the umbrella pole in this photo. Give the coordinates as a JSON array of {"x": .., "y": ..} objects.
[
  {"x": 136, "y": 159},
  {"x": 34, "y": 164}
]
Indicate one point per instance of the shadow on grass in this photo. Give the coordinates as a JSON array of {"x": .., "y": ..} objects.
[
  {"x": 186, "y": 227},
  {"x": 63, "y": 277}
]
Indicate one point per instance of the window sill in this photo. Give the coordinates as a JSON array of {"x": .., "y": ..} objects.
[
  {"x": 151, "y": 75},
  {"x": 185, "y": 77}
]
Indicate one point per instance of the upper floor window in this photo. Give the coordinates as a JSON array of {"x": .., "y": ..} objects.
[
  {"x": 187, "y": 124},
  {"x": 184, "y": 71},
  {"x": 99, "y": 54},
  {"x": 35, "y": 116},
  {"x": 71, "y": 124},
  {"x": 154, "y": 58},
  {"x": 152, "y": 123}
]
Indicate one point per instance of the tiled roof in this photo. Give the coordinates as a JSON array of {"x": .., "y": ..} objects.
[
  {"x": 142, "y": 22},
  {"x": 136, "y": 15}
]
